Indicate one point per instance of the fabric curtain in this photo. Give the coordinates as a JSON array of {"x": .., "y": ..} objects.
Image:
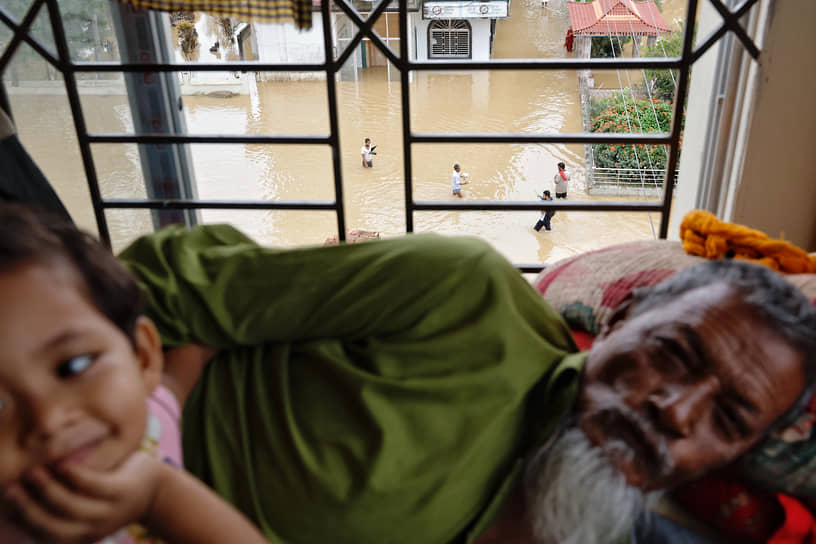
[{"x": 299, "y": 11}]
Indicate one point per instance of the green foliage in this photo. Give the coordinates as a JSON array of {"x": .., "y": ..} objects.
[
  {"x": 635, "y": 116},
  {"x": 187, "y": 39},
  {"x": 228, "y": 27},
  {"x": 603, "y": 47},
  {"x": 662, "y": 83}
]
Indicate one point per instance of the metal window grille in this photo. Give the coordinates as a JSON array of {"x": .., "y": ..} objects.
[
  {"x": 402, "y": 62},
  {"x": 449, "y": 39}
]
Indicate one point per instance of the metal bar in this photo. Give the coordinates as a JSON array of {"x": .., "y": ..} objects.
[
  {"x": 707, "y": 43},
  {"x": 407, "y": 137},
  {"x": 497, "y": 64},
  {"x": 363, "y": 28},
  {"x": 551, "y": 64},
  {"x": 334, "y": 126},
  {"x": 79, "y": 120},
  {"x": 732, "y": 22},
  {"x": 743, "y": 8},
  {"x": 19, "y": 31},
  {"x": 583, "y": 205},
  {"x": 203, "y": 67},
  {"x": 35, "y": 44},
  {"x": 677, "y": 118},
  {"x": 180, "y": 204},
  {"x": 717, "y": 34},
  {"x": 581, "y": 138},
  {"x": 589, "y": 137},
  {"x": 205, "y": 139},
  {"x": 430, "y": 205}
]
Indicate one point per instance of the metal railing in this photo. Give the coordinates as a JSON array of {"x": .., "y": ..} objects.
[
  {"x": 69, "y": 69},
  {"x": 629, "y": 177}
]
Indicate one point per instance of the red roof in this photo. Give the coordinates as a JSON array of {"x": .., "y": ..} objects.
[{"x": 617, "y": 18}]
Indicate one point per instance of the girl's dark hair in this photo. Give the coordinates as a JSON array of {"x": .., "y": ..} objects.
[{"x": 28, "y": 235}]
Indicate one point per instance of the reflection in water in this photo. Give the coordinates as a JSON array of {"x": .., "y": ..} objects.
[{"x": 483, "y": 101}]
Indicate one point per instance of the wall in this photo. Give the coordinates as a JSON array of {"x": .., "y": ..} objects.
[
  {"x": 778, "y": 189},
  {"x": 282, "y": 42},
  {"x": 769, "y": 181}
]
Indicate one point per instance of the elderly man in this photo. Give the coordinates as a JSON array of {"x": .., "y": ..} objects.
[{"x": 419, "y": 390}]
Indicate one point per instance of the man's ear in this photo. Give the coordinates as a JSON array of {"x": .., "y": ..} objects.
[
  {"x": 149, "y": 353},
  {"x": 619, "y": 315}
]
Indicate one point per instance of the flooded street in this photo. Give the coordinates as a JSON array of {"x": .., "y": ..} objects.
[{"x": 495, "y": 101}]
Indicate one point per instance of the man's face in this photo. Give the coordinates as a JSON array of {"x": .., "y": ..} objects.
[
  {"x": 686, "y": 387},
  {"x": 72, "y": 386}
]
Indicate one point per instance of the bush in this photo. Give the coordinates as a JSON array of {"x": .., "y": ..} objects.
[
  {"x": 643, "y": 116},
  {"x": 603, "y": 47},
  {"x": 188, "y": 39},
  {"x": 662, "y": 83}
]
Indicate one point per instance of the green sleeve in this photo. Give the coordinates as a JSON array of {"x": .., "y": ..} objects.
[{"x": 212, "y": 285}]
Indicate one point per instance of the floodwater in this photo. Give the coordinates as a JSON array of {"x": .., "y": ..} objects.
[{"x": 495, "y": 101}]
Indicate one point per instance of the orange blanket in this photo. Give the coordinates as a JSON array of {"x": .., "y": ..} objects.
[{"x": 705, "y": 235}]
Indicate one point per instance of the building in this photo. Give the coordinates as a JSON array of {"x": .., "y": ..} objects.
[
  {"x": 608, "y": 18},
  {"x": 439, "y": 30},
  {"x": 458, "y": 29}
]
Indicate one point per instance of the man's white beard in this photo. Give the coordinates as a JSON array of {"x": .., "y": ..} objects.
[{"x": 576, "y": 496}]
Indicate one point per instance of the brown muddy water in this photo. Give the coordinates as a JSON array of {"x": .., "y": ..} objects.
[{"x": 495, "y": 101}]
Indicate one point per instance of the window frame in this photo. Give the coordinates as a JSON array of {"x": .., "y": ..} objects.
[
  {"x": 450, "y": 31},
  {"x": 689, "y": 55}
]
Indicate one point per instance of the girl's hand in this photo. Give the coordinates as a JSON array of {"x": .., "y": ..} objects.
[{"x": 73, "y": 504}]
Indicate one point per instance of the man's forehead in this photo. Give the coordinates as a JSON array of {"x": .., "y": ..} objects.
[
  {"x": 732, "y": 339},
  {"x": 685, "y": 306}
]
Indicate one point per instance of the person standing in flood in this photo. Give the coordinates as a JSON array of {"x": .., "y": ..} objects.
[
  {"x": 457, "y": 180},
  {"x": 546, "y": 215},
  {"x": 569, "y": 40},
  {"x": 561, "y": 181},
  {"x": 365, "y": 152}
]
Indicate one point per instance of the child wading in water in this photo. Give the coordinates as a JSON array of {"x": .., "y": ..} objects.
[{"x": 79, "y": 361}]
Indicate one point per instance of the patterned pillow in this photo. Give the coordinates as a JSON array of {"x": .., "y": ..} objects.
[{"x": 586, "y": 288}]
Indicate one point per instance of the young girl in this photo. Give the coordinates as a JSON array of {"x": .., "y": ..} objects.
[{"x": 78, "y": 363}]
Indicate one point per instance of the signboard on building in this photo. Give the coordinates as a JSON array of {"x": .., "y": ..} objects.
[{"x": 493, "y": 9}]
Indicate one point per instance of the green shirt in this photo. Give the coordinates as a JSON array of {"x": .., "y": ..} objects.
[{"x": 384, "y": 392}]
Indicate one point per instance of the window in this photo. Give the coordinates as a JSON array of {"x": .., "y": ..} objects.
[
  {"x": 33, "y": 29},
  {"x": 449, "y": 39}
]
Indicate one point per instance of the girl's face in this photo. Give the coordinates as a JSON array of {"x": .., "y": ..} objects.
[{"x": 72, "y": 385}]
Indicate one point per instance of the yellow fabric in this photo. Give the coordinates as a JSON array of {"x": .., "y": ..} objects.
[
  {"x": 705, "y": 235},
  {"x": 299, "y": 11}
]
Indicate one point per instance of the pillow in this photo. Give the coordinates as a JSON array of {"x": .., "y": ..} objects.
[{"x": 586, "y": 288}]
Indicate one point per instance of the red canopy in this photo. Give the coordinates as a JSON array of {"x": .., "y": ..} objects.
[{"x": 617, "y": 18}]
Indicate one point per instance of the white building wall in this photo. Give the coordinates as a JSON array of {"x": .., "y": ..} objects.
[
  {"x": 480, "y": 48},
  {"x": 421, "y": 37},
  {"x": 480, "y": 39},
  {"x": 283, "y": 43}
]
